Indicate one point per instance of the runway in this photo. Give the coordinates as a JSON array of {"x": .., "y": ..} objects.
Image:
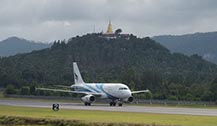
[{"x": 106, "y": 107}]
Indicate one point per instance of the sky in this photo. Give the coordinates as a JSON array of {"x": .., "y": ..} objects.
[{"x": 49, "y": 20}]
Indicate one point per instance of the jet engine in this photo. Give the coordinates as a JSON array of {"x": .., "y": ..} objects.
[
  {"x": 130, "y": 99},
  {"x": 88, "y": 98}
]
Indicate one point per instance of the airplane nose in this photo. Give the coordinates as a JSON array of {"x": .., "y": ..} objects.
[
  {"x": 129, "y": 93},
  {"x": 125, "y": 94}
]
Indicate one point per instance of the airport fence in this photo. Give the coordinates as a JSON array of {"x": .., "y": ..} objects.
[{"x": 171, "y": 102}]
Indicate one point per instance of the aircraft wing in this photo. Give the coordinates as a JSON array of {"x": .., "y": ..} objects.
[
  {"x": 141, "y": 91},
  {"x": 69, "y": 91}
]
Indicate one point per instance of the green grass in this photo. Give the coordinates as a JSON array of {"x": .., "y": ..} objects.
[{"x": 109, "y": 117}]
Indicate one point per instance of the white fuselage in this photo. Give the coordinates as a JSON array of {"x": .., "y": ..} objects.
[{"x": 111, "y": 91}]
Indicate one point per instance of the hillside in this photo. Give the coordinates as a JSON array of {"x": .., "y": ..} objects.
[
  {"x": 15, "y": 45},
  {"x": 140, "y": 63},
  {"x": 203, "y": 44}
]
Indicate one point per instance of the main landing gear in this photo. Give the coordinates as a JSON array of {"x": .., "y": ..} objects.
[
  {"x": 113, "y": 103},
  {"x": 87, "y": 104}
]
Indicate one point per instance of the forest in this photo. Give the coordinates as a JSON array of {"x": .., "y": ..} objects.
[{"x": 141, "y": 63}]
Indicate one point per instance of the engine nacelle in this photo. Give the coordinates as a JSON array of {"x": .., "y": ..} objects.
[
  {"x": 88, "y": 98},
  {"x": 130, "y": 99}
]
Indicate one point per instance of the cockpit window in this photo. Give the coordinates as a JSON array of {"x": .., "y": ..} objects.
[{"x": 123, "y": 89}]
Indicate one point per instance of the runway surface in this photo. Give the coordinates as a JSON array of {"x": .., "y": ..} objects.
[{"x": 106, "y": 107}]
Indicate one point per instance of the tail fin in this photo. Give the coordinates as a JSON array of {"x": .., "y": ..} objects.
[{"x": 77, "y": 76}]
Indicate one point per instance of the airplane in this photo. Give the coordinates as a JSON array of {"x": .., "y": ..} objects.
[{"x": 115, "y": 92}]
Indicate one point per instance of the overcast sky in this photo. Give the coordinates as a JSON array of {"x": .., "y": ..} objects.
[{"x": 48, "y": 20}]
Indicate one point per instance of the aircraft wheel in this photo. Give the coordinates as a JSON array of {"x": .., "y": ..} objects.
[
  {"x": 120, "y": 104},
  {"x": 87, "y": 104},
  {"x": 112, "y": 104}
]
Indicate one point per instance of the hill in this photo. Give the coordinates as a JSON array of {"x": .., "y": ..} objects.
[
  {"x": 203, "y": 44},
  {"x": 139, "y": 62},
  {"x": 15, "y": 45}
]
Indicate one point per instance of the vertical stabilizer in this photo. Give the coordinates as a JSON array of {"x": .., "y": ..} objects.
[{"x": 77, "y": 76}]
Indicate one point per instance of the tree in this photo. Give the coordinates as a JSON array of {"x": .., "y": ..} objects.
[
  {"x": 25, "y": 91},
  {"x": 207, "y": 96},
  {"x": 172, "y": 97},
  {"x": 189, "y": 97},
  {"x": 213, "y": 89},
  {"x": 129, "y": 78},
  {"x": 118, "y": 31},
  {"x": 32, "y": 89},
  {"x": 10, "y": 89}
]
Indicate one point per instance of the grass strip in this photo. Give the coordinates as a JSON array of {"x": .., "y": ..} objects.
[
  {"x": 13, "y": 120},
  {"x": 105, "y": 117}
]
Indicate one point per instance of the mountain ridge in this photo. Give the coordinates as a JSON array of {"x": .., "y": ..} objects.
[
  {"x": 14, "y": 45},
  {"x": 198, "y": 43}
]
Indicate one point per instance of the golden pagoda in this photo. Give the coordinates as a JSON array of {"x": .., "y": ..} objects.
[{"x": 109, "y": 30}]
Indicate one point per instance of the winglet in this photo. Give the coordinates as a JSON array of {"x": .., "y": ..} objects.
[{"x": 77, "y": 76}]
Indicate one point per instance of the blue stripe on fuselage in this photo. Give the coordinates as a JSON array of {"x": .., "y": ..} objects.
[
  {"x": 92, "y": 88},
  {"x": 100, "y": 86},
  {"x": 99, "y": 89}
]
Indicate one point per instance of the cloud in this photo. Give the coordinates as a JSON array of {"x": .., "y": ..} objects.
[{"x": 47, "y": 20}]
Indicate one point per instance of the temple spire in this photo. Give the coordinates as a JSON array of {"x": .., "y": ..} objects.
[{"x": 109, "y": 30}]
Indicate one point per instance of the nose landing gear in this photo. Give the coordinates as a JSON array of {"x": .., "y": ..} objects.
[{"x": 120, "y": 104}]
